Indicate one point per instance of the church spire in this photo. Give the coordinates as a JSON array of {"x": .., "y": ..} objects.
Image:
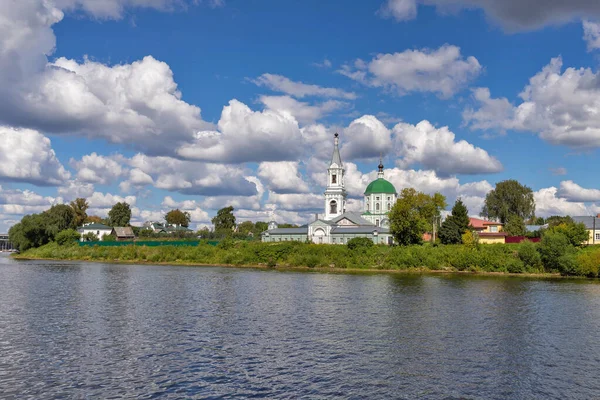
[
  {"x": 336, "y": 159},
  {"x": 380, "y": 173}
]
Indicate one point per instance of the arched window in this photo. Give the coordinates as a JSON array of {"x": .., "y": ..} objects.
[
  {"x": 334, "y": 178},
  {"x": 389, "y": 206},
  {"x": 333, "y": 207},
  {"x": 376, "y": 206}
]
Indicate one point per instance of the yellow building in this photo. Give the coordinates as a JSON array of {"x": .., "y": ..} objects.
[{"x": 489, "y": 232}]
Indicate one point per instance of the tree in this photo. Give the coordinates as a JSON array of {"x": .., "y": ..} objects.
[
  {"x": 68, "y": 236},
  {"x": 58, "y": 218},
  {"x": 455, "y": 225},
  {"x": 224, "y": 221},
  {"x": 246, "y": 227},
  {"x": 260, "y": 227},
  {"x": 90, "y": 237},
  {"x": 576, "y": 233},
  {"x": 413, "y": 214},
  {"x": 509, "y": 198},
  {"x": 178, "y": 217},
  {"x": 30, "y": 232},
  {"x": 120, "y": 214},
  {"x": 515, "y": 226},
  {"x": 94, "y": 219},
  {"x": 553, "y": 247},
  {"x": 79, "y": 206}
]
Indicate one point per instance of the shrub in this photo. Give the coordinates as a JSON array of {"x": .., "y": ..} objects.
[
  {"x": 359, "y": 242},
  {"x": 68, "y": 236},
  {"x": 109, "y": 238},
  {"x": 470, "y": 240},
  {"x": 90, "y": 237},
  {"x": 553, "y": 246},
  {"x": 529, "y": 255},
  {"x": 588, "y": 264}
]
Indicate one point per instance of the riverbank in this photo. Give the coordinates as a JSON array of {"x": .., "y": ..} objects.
[{"x": 488, "y": 259}]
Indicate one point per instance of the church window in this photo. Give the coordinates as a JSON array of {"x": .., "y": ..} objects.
[
  {"x": 377, "y": 207},
  {"x": 333, "y": 207},
  {"x": 389, "y": 206},
  {"x": 332, "y": 240},
  {"x": 334, "y": 178},
  {"x": 389, "y": 198},
  {"x": 377, "y": 198},
  {"x": 376, "y": 222}
]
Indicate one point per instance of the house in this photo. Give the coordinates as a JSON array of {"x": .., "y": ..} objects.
[
  {"x": 123, "y": 233},
  {"x": 592, "y": 224},
  {"x": 100, "y": 230},
  {"x": 157, "y": 227},
  {"x": 489, "y": 232}
]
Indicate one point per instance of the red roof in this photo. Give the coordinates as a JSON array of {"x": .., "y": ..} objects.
[{"x": 481, "y": 223}]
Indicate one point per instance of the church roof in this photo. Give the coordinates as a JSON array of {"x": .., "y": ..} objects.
[
  {"x": 353, "y": 217},
  {"x": 360, "y": 229},
  {"x": 336, "y": 159},
  {"x": 380, "y": 186}
]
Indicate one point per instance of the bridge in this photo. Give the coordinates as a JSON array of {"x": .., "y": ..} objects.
[{"x": 5, "y": 244}]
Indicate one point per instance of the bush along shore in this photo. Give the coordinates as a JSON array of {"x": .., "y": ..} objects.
[{"x": 549, "y": 257}]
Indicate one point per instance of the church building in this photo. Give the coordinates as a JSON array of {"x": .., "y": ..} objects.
[{"x": 338, "y": 225}]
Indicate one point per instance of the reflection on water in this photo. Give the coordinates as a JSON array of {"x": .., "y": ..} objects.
[{"x": 77, "y": 330}]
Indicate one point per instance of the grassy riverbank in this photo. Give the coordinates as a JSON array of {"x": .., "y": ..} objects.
[{"x": 485, "y": 258}]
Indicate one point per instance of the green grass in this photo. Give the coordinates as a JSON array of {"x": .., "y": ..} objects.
[{"x": 487, "y": 258}]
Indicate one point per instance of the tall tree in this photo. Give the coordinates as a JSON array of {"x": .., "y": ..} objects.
[
  {"x": 413, "y": 214},
  {"x": 508, "y": 198},
  {"x": 120, "y": 214},
  {"x": 456, "y": 224},
  {"x": 224, "y": 220},
  {"x": 515, "y": 226},
  {"x": 178, "y": 217},
  {"x": 260, "y": 227},
  {"x": 58, "y": 218},
  {"x": 80, "y": 206},
  {"x": 246, "y": 227}
]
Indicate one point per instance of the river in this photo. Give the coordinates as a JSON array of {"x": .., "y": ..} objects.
[{"x": 99, "y": 331}]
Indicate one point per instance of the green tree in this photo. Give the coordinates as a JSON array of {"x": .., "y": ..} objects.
[
  {"x": 30, "y": 232},
  {"x": 79, "y": 207},
  {"x": 58, "y": 218},
  {"x": 90, "y": 237},
  {"x": 575, "y": 232},
  {"x": 178, "y": 217},
  {"x": 529, "y": 255},
  {"x": 259, "y": 228},
  {"x": 224, "y": 221},
  {"x": 455, "y": 225},
  {"x": 553, "y": 247},
  {"x": 413, "y": 214},
  {"x": 120, "y": 214},
  {"x": 246, "y": 227},
  {"x": 509, "y": 198},
  {"x": 68, "y": 236},
  {"x": 94, "y": 219},
  {"x": 515, "y": 226}
]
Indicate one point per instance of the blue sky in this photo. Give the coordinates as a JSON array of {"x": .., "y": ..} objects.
[{"x": 201, "y": 104}]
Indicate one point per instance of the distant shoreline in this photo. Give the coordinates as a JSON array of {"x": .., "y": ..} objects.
[{"x": 334, "y": 270}]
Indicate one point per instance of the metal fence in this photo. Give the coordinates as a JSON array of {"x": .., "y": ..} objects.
[{"x": 149, "y": 243}]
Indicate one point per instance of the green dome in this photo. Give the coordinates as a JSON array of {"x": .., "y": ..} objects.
[{"x": 380, "y": 186}]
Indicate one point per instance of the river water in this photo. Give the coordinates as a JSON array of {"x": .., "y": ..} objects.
[{"x": 99, "y": 331}]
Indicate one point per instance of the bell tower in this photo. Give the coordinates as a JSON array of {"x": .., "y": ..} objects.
[{"x": 335, "y": 194}]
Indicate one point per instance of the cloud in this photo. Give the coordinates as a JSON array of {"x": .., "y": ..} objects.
[
  {"x": 94, "y": 168},
  {"x": 297, "y": 202},
  {"x": 74, "y": 189},
  {"x": 197, "y": 214},
  {"x": 591, "y": 34},
  {"x": 114, "y": 9},
  {"x": 301, "y": 111},
  {"x": 137, "y": 103},
  {"x": 107, "y": 200},
  {"x": 572, "y": 192},
  {"x": 513, "y": 15},
  {"x": 27, "y": 156},
  {"x": 325, "y": 64},
  {"x": 558, "y": 171},
  {"x": 189, "y": 177},
  {"x": 246, "y": 136},
  {"x": 560, "y": 107},
  {"x": 436, "y": 148},
  {"x": 282, "y": 177},
  {"x": 443, "y": 71},
  {"x": 547, "y": 203},
  {"x": 279, "y": 83},
  {"x": 365, "y": 137}
]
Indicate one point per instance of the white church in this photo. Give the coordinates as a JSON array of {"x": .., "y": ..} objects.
[{"x": 338, "y": 226}]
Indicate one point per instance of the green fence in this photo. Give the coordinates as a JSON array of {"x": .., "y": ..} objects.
[{"x": 150, "y": 243}]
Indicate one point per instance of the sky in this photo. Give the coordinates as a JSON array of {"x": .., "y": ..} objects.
[{"x": 202, "y": 104}]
